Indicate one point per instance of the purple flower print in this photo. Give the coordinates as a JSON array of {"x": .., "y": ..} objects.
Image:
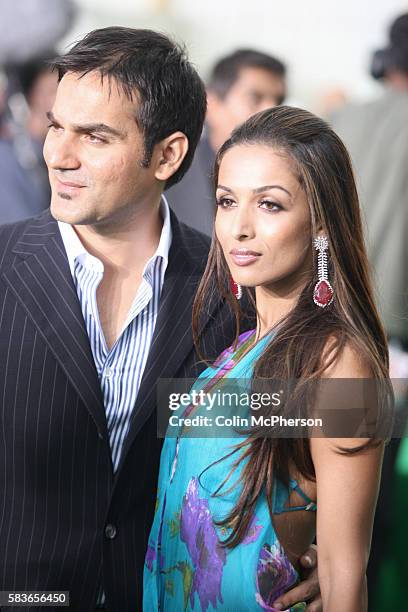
[
  {"x": 208, "y": 557},
  {"x": 253, "y": 531},
  {"x": 274, "y": 575},
  {"x": 229, "y": 352},
  {"x": 153, "y": 548},
  {"x": 150, "y": 557}
]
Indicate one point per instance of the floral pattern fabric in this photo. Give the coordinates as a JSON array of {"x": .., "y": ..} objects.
[{"x": 186, "y": 567}]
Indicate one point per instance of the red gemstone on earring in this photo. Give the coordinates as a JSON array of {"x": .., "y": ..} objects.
[
  {"x": 235, "y": 288},
  {"x": 323, "y": 293}
]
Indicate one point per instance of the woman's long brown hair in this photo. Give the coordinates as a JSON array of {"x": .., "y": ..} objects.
[{"x": 295, "y": 352}]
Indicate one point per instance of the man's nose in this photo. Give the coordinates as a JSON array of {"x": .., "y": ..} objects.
[{"x": 60, "y": 152}]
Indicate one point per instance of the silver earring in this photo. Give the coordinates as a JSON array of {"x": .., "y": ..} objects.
[{"x": 323, "y": 293}]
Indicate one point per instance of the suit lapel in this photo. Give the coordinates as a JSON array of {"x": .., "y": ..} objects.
[
  {"x": 41, "y": 280},
  {"x": 172, "y": 339}
]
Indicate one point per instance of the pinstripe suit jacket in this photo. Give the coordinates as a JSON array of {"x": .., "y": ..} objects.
[{"x": 57, "y": 488}]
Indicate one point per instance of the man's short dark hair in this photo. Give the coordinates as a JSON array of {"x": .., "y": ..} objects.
[
  {"x": 155, "y": 71},
  {"x": 227, "y": 70}
]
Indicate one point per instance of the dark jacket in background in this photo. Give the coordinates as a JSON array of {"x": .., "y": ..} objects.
[
  {"x": 376, "y": 134},
  {"x": 24, "y": 192},
  {"x": 193, "y": 198}
]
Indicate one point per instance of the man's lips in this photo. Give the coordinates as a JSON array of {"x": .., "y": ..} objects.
[
  {"x": 244, "y": 257},
  {"x": 68, "y": 185}
]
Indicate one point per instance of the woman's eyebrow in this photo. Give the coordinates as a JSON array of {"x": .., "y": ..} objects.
[
  {"x": 258, "y": 189},
  {"x": 224, "y": 188},
  {"x": 267, "y": 187}
]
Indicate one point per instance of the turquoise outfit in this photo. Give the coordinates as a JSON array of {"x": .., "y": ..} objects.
[{"x": 186, "y": 568}]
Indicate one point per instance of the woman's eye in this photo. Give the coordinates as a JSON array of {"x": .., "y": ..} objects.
[
  {"x": 270, "y": 206},
  {"x": 225, "y": 202}
]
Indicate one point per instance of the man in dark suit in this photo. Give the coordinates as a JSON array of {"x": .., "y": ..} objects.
[{"x": 95, "y": 306}]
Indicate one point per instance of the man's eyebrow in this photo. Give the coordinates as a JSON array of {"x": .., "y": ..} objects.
[
  {"x": 87, "y": 128},
  {"x": 258, "y": 189}
]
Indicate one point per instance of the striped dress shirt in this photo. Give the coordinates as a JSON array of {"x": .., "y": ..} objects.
[{"x": 120, "y": 369}]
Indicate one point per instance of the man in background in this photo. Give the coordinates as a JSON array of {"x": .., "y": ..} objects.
[
  {"x": 376, "y": 134},
  {"x": 30, "y": 92},
  {"x": 240, "y": 85}
]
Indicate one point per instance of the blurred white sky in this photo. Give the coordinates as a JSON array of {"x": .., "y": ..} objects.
[{"x": 325, "y": 43}]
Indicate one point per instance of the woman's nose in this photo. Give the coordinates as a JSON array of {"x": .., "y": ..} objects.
[{"x": 242, "y": 224}]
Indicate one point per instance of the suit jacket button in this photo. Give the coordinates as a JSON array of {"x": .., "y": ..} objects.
[{"x": 110, "y": 532}]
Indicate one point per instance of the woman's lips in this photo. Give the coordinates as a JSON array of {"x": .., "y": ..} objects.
[{"x": 244, "y": 257}]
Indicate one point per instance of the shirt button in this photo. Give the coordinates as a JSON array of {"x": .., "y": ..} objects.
[
  {"x": 110, "y": 532},
  {"x": 108, "y": 373}
]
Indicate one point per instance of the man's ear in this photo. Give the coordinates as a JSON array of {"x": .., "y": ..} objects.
[{"x": 169, "y": 155}]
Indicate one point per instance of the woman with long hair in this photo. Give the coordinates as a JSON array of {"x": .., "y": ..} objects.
[{"x": 234, "y": 515}]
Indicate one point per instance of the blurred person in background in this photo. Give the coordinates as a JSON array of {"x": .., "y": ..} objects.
[
  {"x": 29, "y": 32},
  {"x": 29, "y": 93},
  {"x": 240, "y": 85},
  {"x": 376, "y": 134}
]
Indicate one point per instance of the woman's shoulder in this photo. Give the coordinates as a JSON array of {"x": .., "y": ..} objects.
[
  {"x": 344, "y": 359},
  {"x": 348, "y": 385}
]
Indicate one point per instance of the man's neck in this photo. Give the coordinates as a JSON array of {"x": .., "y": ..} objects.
[
  {"x": 215, "y": 140},
  {"x": 124, "y": 247},
  {"x": 397, "y": 80},
  {"x": 124, "y": 251}
]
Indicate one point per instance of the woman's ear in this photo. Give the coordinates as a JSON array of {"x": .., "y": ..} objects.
[{"x": 170, "y": 154}]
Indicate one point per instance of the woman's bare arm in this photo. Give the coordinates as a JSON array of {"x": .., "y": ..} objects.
[{"x": 347, "y": 490}]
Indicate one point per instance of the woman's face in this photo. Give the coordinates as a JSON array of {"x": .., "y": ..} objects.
[{"x": 263, "y": 219}]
